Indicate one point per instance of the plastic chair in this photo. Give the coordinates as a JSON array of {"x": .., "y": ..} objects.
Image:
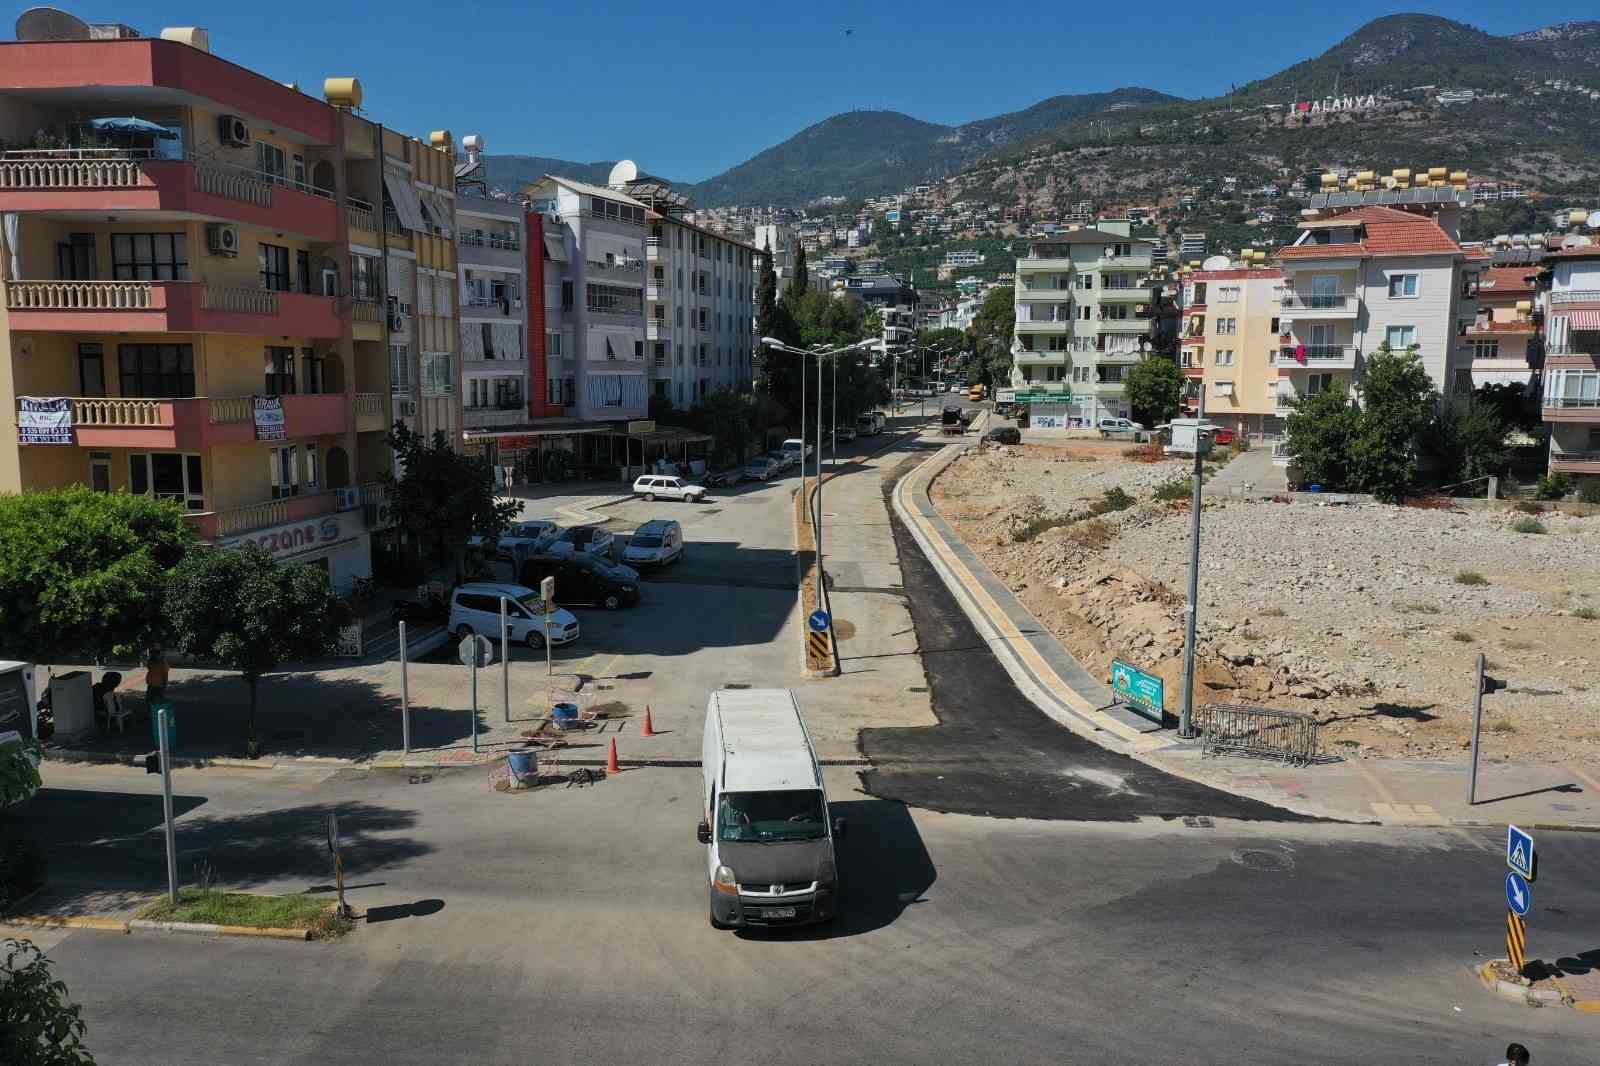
[{"x": 116, "y": 712}]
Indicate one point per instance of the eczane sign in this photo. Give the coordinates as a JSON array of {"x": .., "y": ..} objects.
[{"x": 297, "y": 538}]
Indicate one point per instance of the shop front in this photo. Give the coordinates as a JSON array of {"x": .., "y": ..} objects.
[{"x": 339, "y": 544}]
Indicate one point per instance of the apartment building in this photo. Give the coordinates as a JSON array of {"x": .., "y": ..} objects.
[
  {"x": 491, "y": 243},
  {"x": 205, "y": 302},
  {"x": 699, "y": 296},
  {"x": 594, "y": 280},
  {"x": 1084, "y": 307},
  {"x": 778, "y": 239},
  {"x": 1359, "y": 277},
  {"x": 1229, "y": 348},
  {"x": 1493, "y": 346},
  {"x": 1191, "y": 246},
  {"x": 1571, "y": 403}
]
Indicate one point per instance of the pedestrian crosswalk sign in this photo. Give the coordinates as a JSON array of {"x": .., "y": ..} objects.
[{"x": 1519, "y": 851}]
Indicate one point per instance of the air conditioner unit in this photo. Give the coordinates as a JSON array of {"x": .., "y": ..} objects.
[
  {"x": 517, "y": 303},
  {"x": 348, "y": 498},
  {"x": 233, "y": 131},
  {"x": 397, "y": 321},
  {"x": 405, "y": 407},
  {"x": 222, "y": 239}
]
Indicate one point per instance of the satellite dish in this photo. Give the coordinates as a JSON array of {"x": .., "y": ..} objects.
[
  {"x": 1594, "y": 221},
  {"x": 1216, "y": 262},
  {"x": 50, "y": 24},
  {"x": 624, "y": 172},
  {"x": 1575, "y": 240}
]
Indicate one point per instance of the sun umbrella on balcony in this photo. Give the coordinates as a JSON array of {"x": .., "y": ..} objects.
[{"x": 129, "y": 124}]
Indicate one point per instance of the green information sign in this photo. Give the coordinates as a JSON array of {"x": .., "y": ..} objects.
[{"x": 1144, "y": 693}]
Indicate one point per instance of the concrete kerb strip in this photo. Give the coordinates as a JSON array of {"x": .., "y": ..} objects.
[
  {"x": 119, "y": 925},
  {"x": 1532, "y": 997},
  {"x": 127, "y": 759}
]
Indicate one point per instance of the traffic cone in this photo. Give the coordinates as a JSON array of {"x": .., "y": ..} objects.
[
  {"x": 649, "y": 726},
  {"x": 611, "y": 759}
]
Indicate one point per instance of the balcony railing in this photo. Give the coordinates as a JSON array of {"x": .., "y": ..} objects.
[
  {"x": 1575, "y": 296},
  {"x": 1317, "y": 353},
  {"x": 239, "y": 301},
  {"x": 79, "y": 295},
  {"x": 1317, "y": 301},
  {"x": 231, "y": 183},
  {"x": 269, "y": 513},
  {"x": 1571, "y": 402},
  {"x": 491, "y": 240},
  {"x": 117, "y": 414},
  {"x": 64, "y": 173},
  {"x": 368, "y": 311},
  {"x": 1590, "y": 456},
  {"x": 362, "y": 218}
]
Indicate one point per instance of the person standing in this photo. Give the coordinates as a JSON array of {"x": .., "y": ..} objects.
[{"x": 155, "y": 679}]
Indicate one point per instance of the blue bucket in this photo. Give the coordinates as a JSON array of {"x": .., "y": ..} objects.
[
  {"x": 523, "y": 763},
  {"x": 565, "y": 714}
]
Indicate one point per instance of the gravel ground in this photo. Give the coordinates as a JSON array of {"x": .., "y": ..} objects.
[{"x": 1360, "y": 614}]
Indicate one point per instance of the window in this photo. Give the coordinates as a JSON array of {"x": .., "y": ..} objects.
[
  {"x": 311, "y": 366},
  {"x": 75, "y": 260},
  {"x": 283, "y": 466},
  {"x": 302, "y": 269},
  {"x": 400, "y": 368},
  {"x": 553, "y": 345},
  {"x": 1222, "y": 388},
  {"x": 1120, "y": 249},
  {"x": 150, "y": 257},
  {"x": 1112, "y": 374},
  {"x": 1485, "y": 349},
  {"x": 313, "y": 468},
  {"x": 614, "y": 300},
  {"x": 167, "y": 476},
  {"x": 1316, "y": 383},
  {"x": 156, "y": 370},
  {"x": 280, "y": 371},
  {"x": 100, "y": 471},
  {"x": 1085, "y": 281},
  {"x": 1085, "y": 312},
  {"x": 679, "y": 358},
  {"x": 1224, "y": 357},
  {"x": 273, "y": 261},
  {"x": 1274, "y": 329},
  {"x": 364, "y": 278},
  {"x": 436, "y": 376},
  {"x": 1227, "y": 294},
  {"x": 1227, "y": 326},
  {"x": 1402, "y": 286},
  {"x": 298, "y": 170},
  {"x": 1399, "y": 338},
  {"x": 91, "y": 370},
  {"x": 566, "y": 296},
  {"x": 271, "y": 162}
]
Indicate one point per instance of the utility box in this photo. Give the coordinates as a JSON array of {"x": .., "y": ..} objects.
[{"x": 1189, "y": 436}]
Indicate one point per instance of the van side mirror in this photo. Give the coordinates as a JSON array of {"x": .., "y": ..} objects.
[
  {"x": 841, "y": 828},
  {"x": 702, "y": 833}
]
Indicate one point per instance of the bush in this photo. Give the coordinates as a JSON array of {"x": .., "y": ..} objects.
[
  {"x": 1588, "y": 614},
  {"x": 1553, "y": 487},
  {"x": 1114, "y": 499},
  {"x": 1176, "y": 489},
  {"x": 1471, "y": 577},
  {"x": 1525, "y": 507},
  {"x": 22, "y": 868},
  {"x": 1040, "y": 525},
  {"x": 1589, "y": 491},
  {"x": 1093, "y": 534},
  {"x": 1528, "y": 525},
  {"x": 1144, "y": 453},
  {"x": 1460, "y": 637}
]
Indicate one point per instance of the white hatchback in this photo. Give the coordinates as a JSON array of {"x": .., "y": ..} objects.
[
  {"x": 651, "y": 486},
  {"x": 475, "y": 608}
]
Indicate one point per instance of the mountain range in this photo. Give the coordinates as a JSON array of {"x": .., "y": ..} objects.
[{"x": 866, "y": 153}]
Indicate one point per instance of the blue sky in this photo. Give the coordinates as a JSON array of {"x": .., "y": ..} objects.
[{"x": 688, "y": 90}]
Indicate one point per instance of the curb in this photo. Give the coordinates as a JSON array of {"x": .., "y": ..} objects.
[
  {"x": 627, "y": 764},
  {"x": 1532, "y": 997},
  {"x": 73, "y": 921},
  {"x": 70, "y": 755},
  {"x": 207, "y": 928}
]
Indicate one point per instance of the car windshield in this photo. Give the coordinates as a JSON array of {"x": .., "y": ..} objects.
[
  {"x": 532, "y": 604},
  {"x": 645, "y": 542},
  {"x": 766, "y": 817}
]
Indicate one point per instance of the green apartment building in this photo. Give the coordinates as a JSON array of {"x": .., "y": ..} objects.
[{"x": 1085, "y": 310}]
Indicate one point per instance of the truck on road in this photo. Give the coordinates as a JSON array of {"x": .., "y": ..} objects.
[{"x": 764, "y": 817}]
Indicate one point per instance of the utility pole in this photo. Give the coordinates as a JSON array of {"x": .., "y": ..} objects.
[
  {"x": 1485, "y": 684},
  {"x": 405, "y": 697},
  {"x": 803, "y": 432},
  {"x": 1191, "y": 609},
  {"x": 505, "y": 661},
  {"x": 818, "y": 522},
  {"x": 166, "y": 804}
]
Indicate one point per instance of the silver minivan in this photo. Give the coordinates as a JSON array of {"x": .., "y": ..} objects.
[
  {"x": 656, "y": 543},
  {"x": 764, "y": 816}
]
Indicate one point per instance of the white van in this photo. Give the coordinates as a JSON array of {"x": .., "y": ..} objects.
[
  {"x": 870, "y": 424},
  {"x": 475, "y": 608},
  {"x": 764, "y": 817}
]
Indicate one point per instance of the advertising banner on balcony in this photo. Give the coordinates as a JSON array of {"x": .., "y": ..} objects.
[
  {"x": 269, "y": 418},
  {"x": 44, "y": 420}
]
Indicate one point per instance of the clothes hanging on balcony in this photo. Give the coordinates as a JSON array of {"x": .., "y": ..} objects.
[
  {"x": 1300, "y": 354},
  {"x": 12, "y": 223}
]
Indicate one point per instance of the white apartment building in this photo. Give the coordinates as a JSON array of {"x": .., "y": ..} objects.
[
  {"x": 594, "y": 298},
  {"x": 491, "y": 238},
  {"x": 780, "y": 240},
  {"x": 700, "y": 292},
  {"x": 1359, "y": 277}
]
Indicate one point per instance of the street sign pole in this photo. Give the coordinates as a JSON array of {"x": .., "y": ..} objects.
[
  {"x": 547, "y": 591},
  {"x": 1186, "y": 715},
  {"x": 1477, "y": 729},
  {"x": 505, "y": 661},
  {"x": 474, "y": 700},
  {"x": 166, "y": 806},
  {"x": 405, "y": 697}
]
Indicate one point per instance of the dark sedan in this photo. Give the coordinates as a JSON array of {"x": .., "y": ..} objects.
[{"x": 1004, "y": 435}]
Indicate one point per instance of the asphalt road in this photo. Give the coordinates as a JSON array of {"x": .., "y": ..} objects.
[
  {"x": 993, "y": 752},
  {"x": 569, "y": 926}
]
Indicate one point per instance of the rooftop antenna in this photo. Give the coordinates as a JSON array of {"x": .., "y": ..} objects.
[{"x": 50, "y": 24}]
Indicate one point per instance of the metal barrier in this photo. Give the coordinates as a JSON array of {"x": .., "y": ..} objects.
[{"x": 1238, "y": 729}]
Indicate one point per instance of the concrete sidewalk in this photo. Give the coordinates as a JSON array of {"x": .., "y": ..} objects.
[{"x": 1392, "y": 792}]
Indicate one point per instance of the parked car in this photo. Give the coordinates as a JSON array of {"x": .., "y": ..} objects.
[
  {"x": 583, "y": 579},
  {"x": 1222, "y": 436},
  {"x": 656, "y": 543},
  {"x": 533, "y": 529},
  {"x": 589, "y": 540},
  {"x": 475, "y": 608},
  {"x": 1118, "y": 427},
  {"x": 731, "y": 476},
  {"x": 1004, "y": 435},
  {"x": 784, "y": 459},
  {"x": 870, "y": 424},
  {"x": 795, "y": 448},
  {"x": 651, "y": 486},
  {"x": 954, "y": 386},
  {"x": 501, "y": 560},
  {"x": 844, "y": 433},
  {"x": 762, "y": 467}
]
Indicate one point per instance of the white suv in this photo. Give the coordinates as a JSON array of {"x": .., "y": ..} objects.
[
  {"x": 475, "y": 608},
  {"x": 671, "y": 488}
]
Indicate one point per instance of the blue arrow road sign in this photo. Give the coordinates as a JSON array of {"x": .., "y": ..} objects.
[
  {"x": 819, "y": 620},
  {"x": 1518, "y": 895},
  {"x": 1519, "y": 851}
]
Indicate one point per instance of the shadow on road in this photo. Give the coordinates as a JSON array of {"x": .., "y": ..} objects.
[
  {"x": 420, "y": 909},
  {"x": 883, "y": 869}
]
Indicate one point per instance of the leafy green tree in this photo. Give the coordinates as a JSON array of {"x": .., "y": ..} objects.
[
  {"x": 802, "y": 275},
  {"x": 1466, "y": 440},
  {"x": 990, "y": 335},
  {"x": 82, "y": 573},
  {"x": 19, "y": 777},
  {"x": 1153, "y": 387},
  {"x": 39, "y": 1026},
  {"x": 1321, "y": 432},
  {"x": 1516, "y": 405},
  {"x": 443, "y": 496},
  {"x": 1397, "y": 403},
  {"x": 241, "y": 609},
  {"x": 730, "y": 418}
]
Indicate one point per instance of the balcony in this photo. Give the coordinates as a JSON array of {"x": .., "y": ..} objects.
[
  {"x": 1319, "y": 357},
  {"x": 79, "y": 180},
  {"x": 167, "y": 307},
  {"x": 500, "y": 241},
  {"x": 495, "y": 417},
  {"x": 658, "y": 329},
  {"x": 1044, "y": 294},
  {"x": 1575, "y": 462},
  {"x": 197, "y": 422},
  {"x": 1571, "y": 408},
  {"x": 216, "y": 525},
  {"x": 1574, "y": 296},
  {"x": 362, "y": 221},
  {"x": 1024, "y": 357},
  {"x": 656, "y": 249},
  {"x": 1131, "y": 324},
  {"x": 371, "y": 410},
  {"x": 1058, "y": 326},
  {"x": 366, "y": 318},
  {"x": 1309, "y": 305},
  {"x": 1125, "y": 294}
]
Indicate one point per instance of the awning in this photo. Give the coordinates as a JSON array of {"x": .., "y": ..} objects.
[
  {"x": 406, "y": 204},
  {"x": 555, "y": 248},
  {"x": 1583, "y": 320}
]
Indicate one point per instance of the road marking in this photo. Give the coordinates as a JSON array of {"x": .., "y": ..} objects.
[
  {"x": 1377, "y": 785},
  {"x": 1585, "y": 778}
]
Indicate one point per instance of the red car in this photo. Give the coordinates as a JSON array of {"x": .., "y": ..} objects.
[{"x": 1222, "y": 436}]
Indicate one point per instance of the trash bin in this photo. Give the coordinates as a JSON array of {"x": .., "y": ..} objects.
[
  {"x": 155, "y": 725},
  {"x": 565, "y": 715},
  {"x": 523, "y": 764}
]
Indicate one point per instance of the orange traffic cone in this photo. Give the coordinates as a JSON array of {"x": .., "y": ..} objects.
[
  {"x": 611, "y": 759},
  {"x": 649, "y": 726}
]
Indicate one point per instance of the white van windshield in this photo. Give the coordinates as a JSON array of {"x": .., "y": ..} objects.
[{"x": 767, "y": 817}]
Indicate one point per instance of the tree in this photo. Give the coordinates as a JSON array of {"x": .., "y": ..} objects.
[
  {"x": 444, "y": 496},
  {"x": 38, "y": 1026},
  {"x": 802, "y": 276},
  {"x": 730, "y": 418},
  {"x": 1466, "y": 440},
  {"x": 241, "y": 609},
  {"x": 991, "y": 332},
  {"x": 766, "y": 296},
  {"x": 1516, "y": 404},
  {"x": 1321, "y": 430},
  {"x": 82, "y": 573},
  {"x": 1397, "y": 403},
  {"x": 1153, "y": 387},
  {"x": 19, "y": 777}
]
